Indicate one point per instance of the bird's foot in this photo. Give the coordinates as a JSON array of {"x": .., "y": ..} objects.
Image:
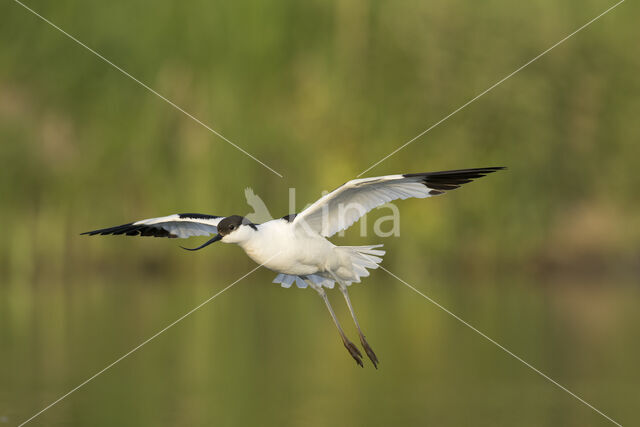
[
  {"x": 353, "y": 350},
  {"x": 369, "y": 351}
]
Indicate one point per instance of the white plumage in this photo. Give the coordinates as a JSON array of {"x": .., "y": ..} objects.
[
  {"x": 345, "y": 205},
  {"x": 296, "y": 246},
  {"x": 178, "y": 225}
]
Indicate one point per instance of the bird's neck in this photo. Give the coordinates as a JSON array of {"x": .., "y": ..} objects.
[{"x": 250, "y": 238}]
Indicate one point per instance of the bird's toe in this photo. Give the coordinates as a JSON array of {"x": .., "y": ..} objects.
[
  {"x": 355, "y": 353},
  {"x": 367, "y": 348}
]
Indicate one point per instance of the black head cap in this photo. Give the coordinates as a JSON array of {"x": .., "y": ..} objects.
[{"x": 232, "y": 223}]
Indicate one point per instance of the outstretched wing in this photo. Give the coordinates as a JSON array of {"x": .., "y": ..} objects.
[
  {"x": 342, "y": 207},
  {"x": 178, "y": 225}
]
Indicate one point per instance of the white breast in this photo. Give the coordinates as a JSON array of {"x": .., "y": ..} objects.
[{"x": 281, "y": 249}]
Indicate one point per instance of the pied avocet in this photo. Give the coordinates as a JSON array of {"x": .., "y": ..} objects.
[{"x": 296, "y": 245}]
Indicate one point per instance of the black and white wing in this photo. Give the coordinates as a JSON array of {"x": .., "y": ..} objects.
[
  {"x": 178, "y": 225},
  {"x": 342, "y": 207}
]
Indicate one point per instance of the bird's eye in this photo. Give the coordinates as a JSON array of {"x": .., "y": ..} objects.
[{"x": 232, "y": 227}]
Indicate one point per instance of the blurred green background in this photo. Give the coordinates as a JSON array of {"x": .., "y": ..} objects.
[{"x": 544, "y": 257}]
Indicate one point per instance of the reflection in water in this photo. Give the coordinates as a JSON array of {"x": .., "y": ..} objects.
[{"x": 260, "y": 355}]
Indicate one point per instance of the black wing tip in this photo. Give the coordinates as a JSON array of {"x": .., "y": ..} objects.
[
  {"x": 471, "y": 171},
  {"x": 439, "y": 182},
  {"x": 119, "y": 229},
  {"x": 131, "y": 229}
]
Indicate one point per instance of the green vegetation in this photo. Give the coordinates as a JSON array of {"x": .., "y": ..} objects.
[{"x": 543, "y": 257}]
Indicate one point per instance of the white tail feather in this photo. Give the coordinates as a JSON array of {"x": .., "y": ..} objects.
[{"x": 363, "y": 258}]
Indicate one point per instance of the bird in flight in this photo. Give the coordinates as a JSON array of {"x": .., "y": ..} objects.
[{"x": 296, "y": 246}]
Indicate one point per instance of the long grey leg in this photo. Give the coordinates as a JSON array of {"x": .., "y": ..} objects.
[
  {"x": 363, "y": 341},
  {"x": 353, "y": 350}
]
